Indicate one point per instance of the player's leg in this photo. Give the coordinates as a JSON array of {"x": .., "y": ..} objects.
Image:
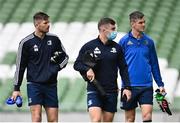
[
  {"x": 130, "y": 115},
  {"x": 51, "y": 102},
  {"x": 52, "y": 114},
  {"x": 36, "y": 111},
  {"x": 109, "y": 106},
  {"x": 146, "y": 103},
  {"x": 35, "y": 101},
  {"x": 108, "y": 116},
  {"x": 130, "y": 106},
  {"x": 94, "y": 106},
  {"x": 146, "y": 112},
  {"x": 95, "y": 114}
]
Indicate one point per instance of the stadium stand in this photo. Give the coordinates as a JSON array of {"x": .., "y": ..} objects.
[{"x": 75, "y": 22}]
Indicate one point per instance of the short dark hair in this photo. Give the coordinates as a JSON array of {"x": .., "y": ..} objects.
[
  {"x": 135, "y": 15},
  {"x": 40, "y": 16},
  {"x": 104, "y": 21}
]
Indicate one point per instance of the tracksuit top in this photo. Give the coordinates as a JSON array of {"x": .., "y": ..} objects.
[
  {"x": 111, "y": 58},
  {"x": 141, "y": 57},
  {"x": 35, "y": 54}
]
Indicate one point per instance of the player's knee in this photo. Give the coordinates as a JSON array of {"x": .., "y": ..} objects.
[
  {"x": 147, "y": 117},
  {"x": 96, "y": 119},
  {"x": 130, "y": 119},
  {"x": 53, "y": 119},
  {"x": 36, "y": 118},
  {"x": 108, "y": 119}
]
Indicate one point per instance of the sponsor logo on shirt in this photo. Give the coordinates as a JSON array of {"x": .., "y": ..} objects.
[
  {"x": 97, "y": 51},
  {"x": 129, "y": 43},
  {"x": 35, "y": 48}
]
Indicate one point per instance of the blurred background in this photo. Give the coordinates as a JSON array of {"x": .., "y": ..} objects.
[{"x": 75, "y": 22}]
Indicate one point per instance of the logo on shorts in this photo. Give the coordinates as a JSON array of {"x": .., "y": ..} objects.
[
  {"x": 30, "y": 100},
  {"x": 121, "y": 104},
  {"x": 89, "y": 102}
]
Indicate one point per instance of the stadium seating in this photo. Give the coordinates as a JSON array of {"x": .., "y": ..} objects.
[
  {"x": 75, "y": 22},
  {"x": 73, "y": 95},
  {"x": 63, "y": 86}
]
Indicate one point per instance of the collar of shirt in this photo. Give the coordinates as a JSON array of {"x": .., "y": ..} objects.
[
  {"x": 39, "y": 37},
  {"x": 131, "y": 35},
  {"x": 107, "y": 44}
]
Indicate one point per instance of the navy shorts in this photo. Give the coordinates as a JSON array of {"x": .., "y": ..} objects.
[
  {"x": 140, "y": 95},
  {"x": 42, "y": 94},
  {"x": 108, "y": 104}
]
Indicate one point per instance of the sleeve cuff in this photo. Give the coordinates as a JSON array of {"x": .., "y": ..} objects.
[
  {"x": 16, "y": 88},
  {"x": 127, "y": 87},
  {"x": 160, "y": 84}
]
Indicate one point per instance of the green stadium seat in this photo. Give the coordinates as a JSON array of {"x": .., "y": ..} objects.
[
  {"x": 39, "y": 5},
  {"x": 21, "y": 11},
  {"x": 84, "y": 10},
  {"x": 156, "y": 38},
  {"x": 175, "y": 104},
  {"x": 1, "y": 82},
  {"x": 7, "y": 10},
  {"x": 136, "y": 5},
  {"x": 54, "y": 9},
  {"x": 81, "y": 105},
  {"x": 1, "y": 3},
  {"x": 124, "y": 26},
  {"x": 10, "y": 58},
  {"x": 73, "y": 95},
  {"x": 158, "y": 25},
  {"x": 5, "y": 91},
  {"x": 24, "y": 96},
  {"x": 164, "y": 53},
  {"x": 100, "y": 10},
  {"x": 82, "y": 15},
  {"x": 174, "y": 61},
  {"x": 66, "y": 15},
  {"x": 63, "y": 86}
]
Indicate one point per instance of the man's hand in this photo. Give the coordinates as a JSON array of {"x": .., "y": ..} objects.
[
  {"x": 90, "y": 75},
  {"x": 127, "y": 93},
  {"x": 15, "y": 94},
  {"x": 162, "y": 89}
]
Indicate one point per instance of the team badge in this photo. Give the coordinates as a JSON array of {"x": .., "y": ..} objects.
[
  {"x": 145, "y": 42},
  {"x": 49, "y": 42},
  {"x": 113, "y": 50}
]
